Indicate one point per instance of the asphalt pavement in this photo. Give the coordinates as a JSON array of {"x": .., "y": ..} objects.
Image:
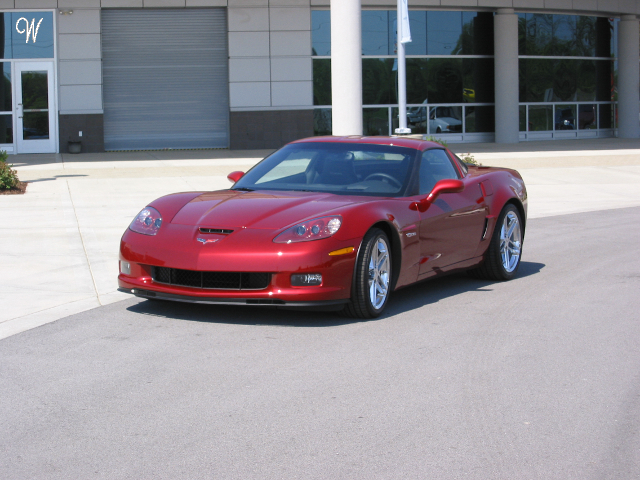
[
  {"x": 535, "y": 378},
  {"x": 60, "y": 240}
]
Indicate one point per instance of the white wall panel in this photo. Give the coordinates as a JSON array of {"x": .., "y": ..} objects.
[
  {"x": 78, "y": 46},
  {"x": 290, "y": 94},
  {"x": 290, "y": 18},
  {"x": 248, "y": 44},
  {"x": 80, "y": 72},
  {"x": 248, "y": 3},
  {"x": 206, "y": 3},
  {"x": 78, "y": 4},
  {"x": 248, "y": 19},
  {"x": 250, "y": 94},
  {"x": 81, "y": 21},
  {"x": 121, "y": 3},
  {"x": 291, "y": 43},
  {"x": 249, "y": 70},
  {"x": 80, "y": 99},
  {"x": 164, "y": 3},
  {"x": 291, "y": 69}
]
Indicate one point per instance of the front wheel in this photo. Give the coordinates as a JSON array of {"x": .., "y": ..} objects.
[
  {"x": 503, "y": 255},
  {"x": 372, "y": 277}
]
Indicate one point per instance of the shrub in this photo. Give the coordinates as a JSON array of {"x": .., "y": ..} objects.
[
  {"x": 437, "y": 140},
  {"x": 470, "y": 159},
  {"x": 8, "y": 176}
]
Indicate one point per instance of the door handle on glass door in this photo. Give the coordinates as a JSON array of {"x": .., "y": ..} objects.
[{"x": 20, "y": 111}]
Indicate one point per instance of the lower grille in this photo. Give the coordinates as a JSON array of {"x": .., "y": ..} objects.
[{"x": 212, "y": 280}]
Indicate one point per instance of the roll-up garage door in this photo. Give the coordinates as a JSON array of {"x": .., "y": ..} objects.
[{"x": 165, "y": 79}]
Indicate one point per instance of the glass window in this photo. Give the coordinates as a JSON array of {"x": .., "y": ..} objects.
[
  {"x": 445, "y": 119},
  {"x": 565, "y": 117},
  {"x": 540, "y": 118},
  {"x": 605, "y": 116},
  {"x": 555, "y": 80},
  {"x": 322, "y": 81},
  {"x": 523, "y": 118},
  {"x": 379, "y": 77},
  {"x": 6, "y": 128},
  {"x": 320, "y": 32},
  {"x": 322, "y": 121},
  {"x": 535, "y": 34},
  {"x": 418, "y": 25},
  {"x": 477, "y": 34},
  {"x": 375, "y": 121},
  {"x": 6, "y": 103},
  {"x": 27, "y": 34},
  {"x": 444, "y": 32},
  {"x": 435, "y": 166},
  {"x": 564, "y": 35},
  {"x": 417, "y": 80},
  {"x": 445, "y": 80},
  {"x": 587, "y": 117},
  {"x": 479, "y": 119},
  {"x": 376, "y": 39}
]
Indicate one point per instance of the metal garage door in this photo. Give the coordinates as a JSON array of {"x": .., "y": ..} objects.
[{"x": 165, "y": 79}]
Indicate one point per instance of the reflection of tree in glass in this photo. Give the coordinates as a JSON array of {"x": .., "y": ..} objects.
[
  {"x": 35, "y": 96},
  {"x": 34, "y": 90},
  {"x": 378, "y": 81},
  {"x": 322, "y": 82},
  {"x": 445, "y": 81}
]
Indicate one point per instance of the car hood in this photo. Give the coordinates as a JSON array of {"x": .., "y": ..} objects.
[{"x": 265, "y": 210}]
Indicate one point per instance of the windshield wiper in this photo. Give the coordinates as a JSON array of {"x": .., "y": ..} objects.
[{"x": 243, "y": 189}]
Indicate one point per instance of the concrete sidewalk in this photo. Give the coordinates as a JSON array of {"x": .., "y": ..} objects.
[{"x": 60, "y": 240}]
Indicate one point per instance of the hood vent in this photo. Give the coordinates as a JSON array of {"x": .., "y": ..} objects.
[{"x": 219, "y": 231}]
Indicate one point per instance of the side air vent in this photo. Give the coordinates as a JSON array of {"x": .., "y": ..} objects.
[{"x": 219, "y": 231}]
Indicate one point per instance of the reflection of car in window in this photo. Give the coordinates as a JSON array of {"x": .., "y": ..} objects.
[
  {"x": 445, "y": 119},
  {"x": 565, "y": 119},
  {"x": 469, "y": 95},
  {"x": 586, "y": 116}
]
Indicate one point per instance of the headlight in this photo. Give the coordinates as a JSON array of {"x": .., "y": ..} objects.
[
  {"x": 147, "y": 222},
  {"x": 315, "y": 229}
]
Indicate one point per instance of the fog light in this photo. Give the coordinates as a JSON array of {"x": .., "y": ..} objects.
[
  {"x": 125, "y": 267},
  {"x": 306, "y": 279}
]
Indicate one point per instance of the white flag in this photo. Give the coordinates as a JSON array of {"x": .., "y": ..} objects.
[{"x": 404, "y": 21}]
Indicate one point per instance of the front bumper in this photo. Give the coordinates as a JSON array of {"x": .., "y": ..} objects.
[{"x": 257, "y": 254}]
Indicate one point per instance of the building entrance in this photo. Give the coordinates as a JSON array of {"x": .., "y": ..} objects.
[{"x": 35, "y": 112}]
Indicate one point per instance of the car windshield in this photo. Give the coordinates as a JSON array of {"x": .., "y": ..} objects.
[{"x": 341, "y": 168}]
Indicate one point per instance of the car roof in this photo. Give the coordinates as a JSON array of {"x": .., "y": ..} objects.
[{"x": 407, "y": 142}]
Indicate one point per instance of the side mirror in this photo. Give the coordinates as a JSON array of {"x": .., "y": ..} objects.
[
  {"x": 447, "y": 185},
  {"x": 233, "y": 177}
]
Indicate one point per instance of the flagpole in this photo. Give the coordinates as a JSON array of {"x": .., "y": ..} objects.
[{"x": 402, "y": 72}]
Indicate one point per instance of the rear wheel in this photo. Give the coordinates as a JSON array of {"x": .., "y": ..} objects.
[
  {"x": 373, "y": 277},
  {"x": 502, "y": 259}
]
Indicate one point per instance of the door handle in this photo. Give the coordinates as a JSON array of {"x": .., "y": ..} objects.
[{"x": 20, "y": 110}]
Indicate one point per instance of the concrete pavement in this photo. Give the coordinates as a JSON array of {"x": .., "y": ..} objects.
[{"x": 60, "y": 240}]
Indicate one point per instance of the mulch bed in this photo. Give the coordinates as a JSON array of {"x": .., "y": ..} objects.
[{"x": 19, "y": 190}]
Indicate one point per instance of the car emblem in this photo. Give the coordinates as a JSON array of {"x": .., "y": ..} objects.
[{"x": 206, "y": 240}]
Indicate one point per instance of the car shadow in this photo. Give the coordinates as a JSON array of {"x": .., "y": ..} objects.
[{"x": 404, "y": 300}]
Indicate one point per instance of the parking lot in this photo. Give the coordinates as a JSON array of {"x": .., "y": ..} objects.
[{"x": 460, "y": 378}]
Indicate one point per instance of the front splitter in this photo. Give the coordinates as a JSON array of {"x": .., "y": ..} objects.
[{"x": 262, "y": 302}]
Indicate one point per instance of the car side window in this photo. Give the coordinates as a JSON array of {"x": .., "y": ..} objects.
[{"x": 434, "y": 166}]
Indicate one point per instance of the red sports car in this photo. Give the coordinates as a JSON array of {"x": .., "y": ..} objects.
[{"x": 337, "y": 222}]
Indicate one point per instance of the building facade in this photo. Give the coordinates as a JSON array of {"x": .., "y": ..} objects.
[{"x": 162, "y": 74}]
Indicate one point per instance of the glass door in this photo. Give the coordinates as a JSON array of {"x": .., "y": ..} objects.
[{"x": 35, "y": 111}]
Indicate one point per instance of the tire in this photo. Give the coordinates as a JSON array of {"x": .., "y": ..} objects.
[
  {"x": 438, "y": 130},
  {"x": 503, "y": 256},
  {"x": 372, "y": 283}
]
